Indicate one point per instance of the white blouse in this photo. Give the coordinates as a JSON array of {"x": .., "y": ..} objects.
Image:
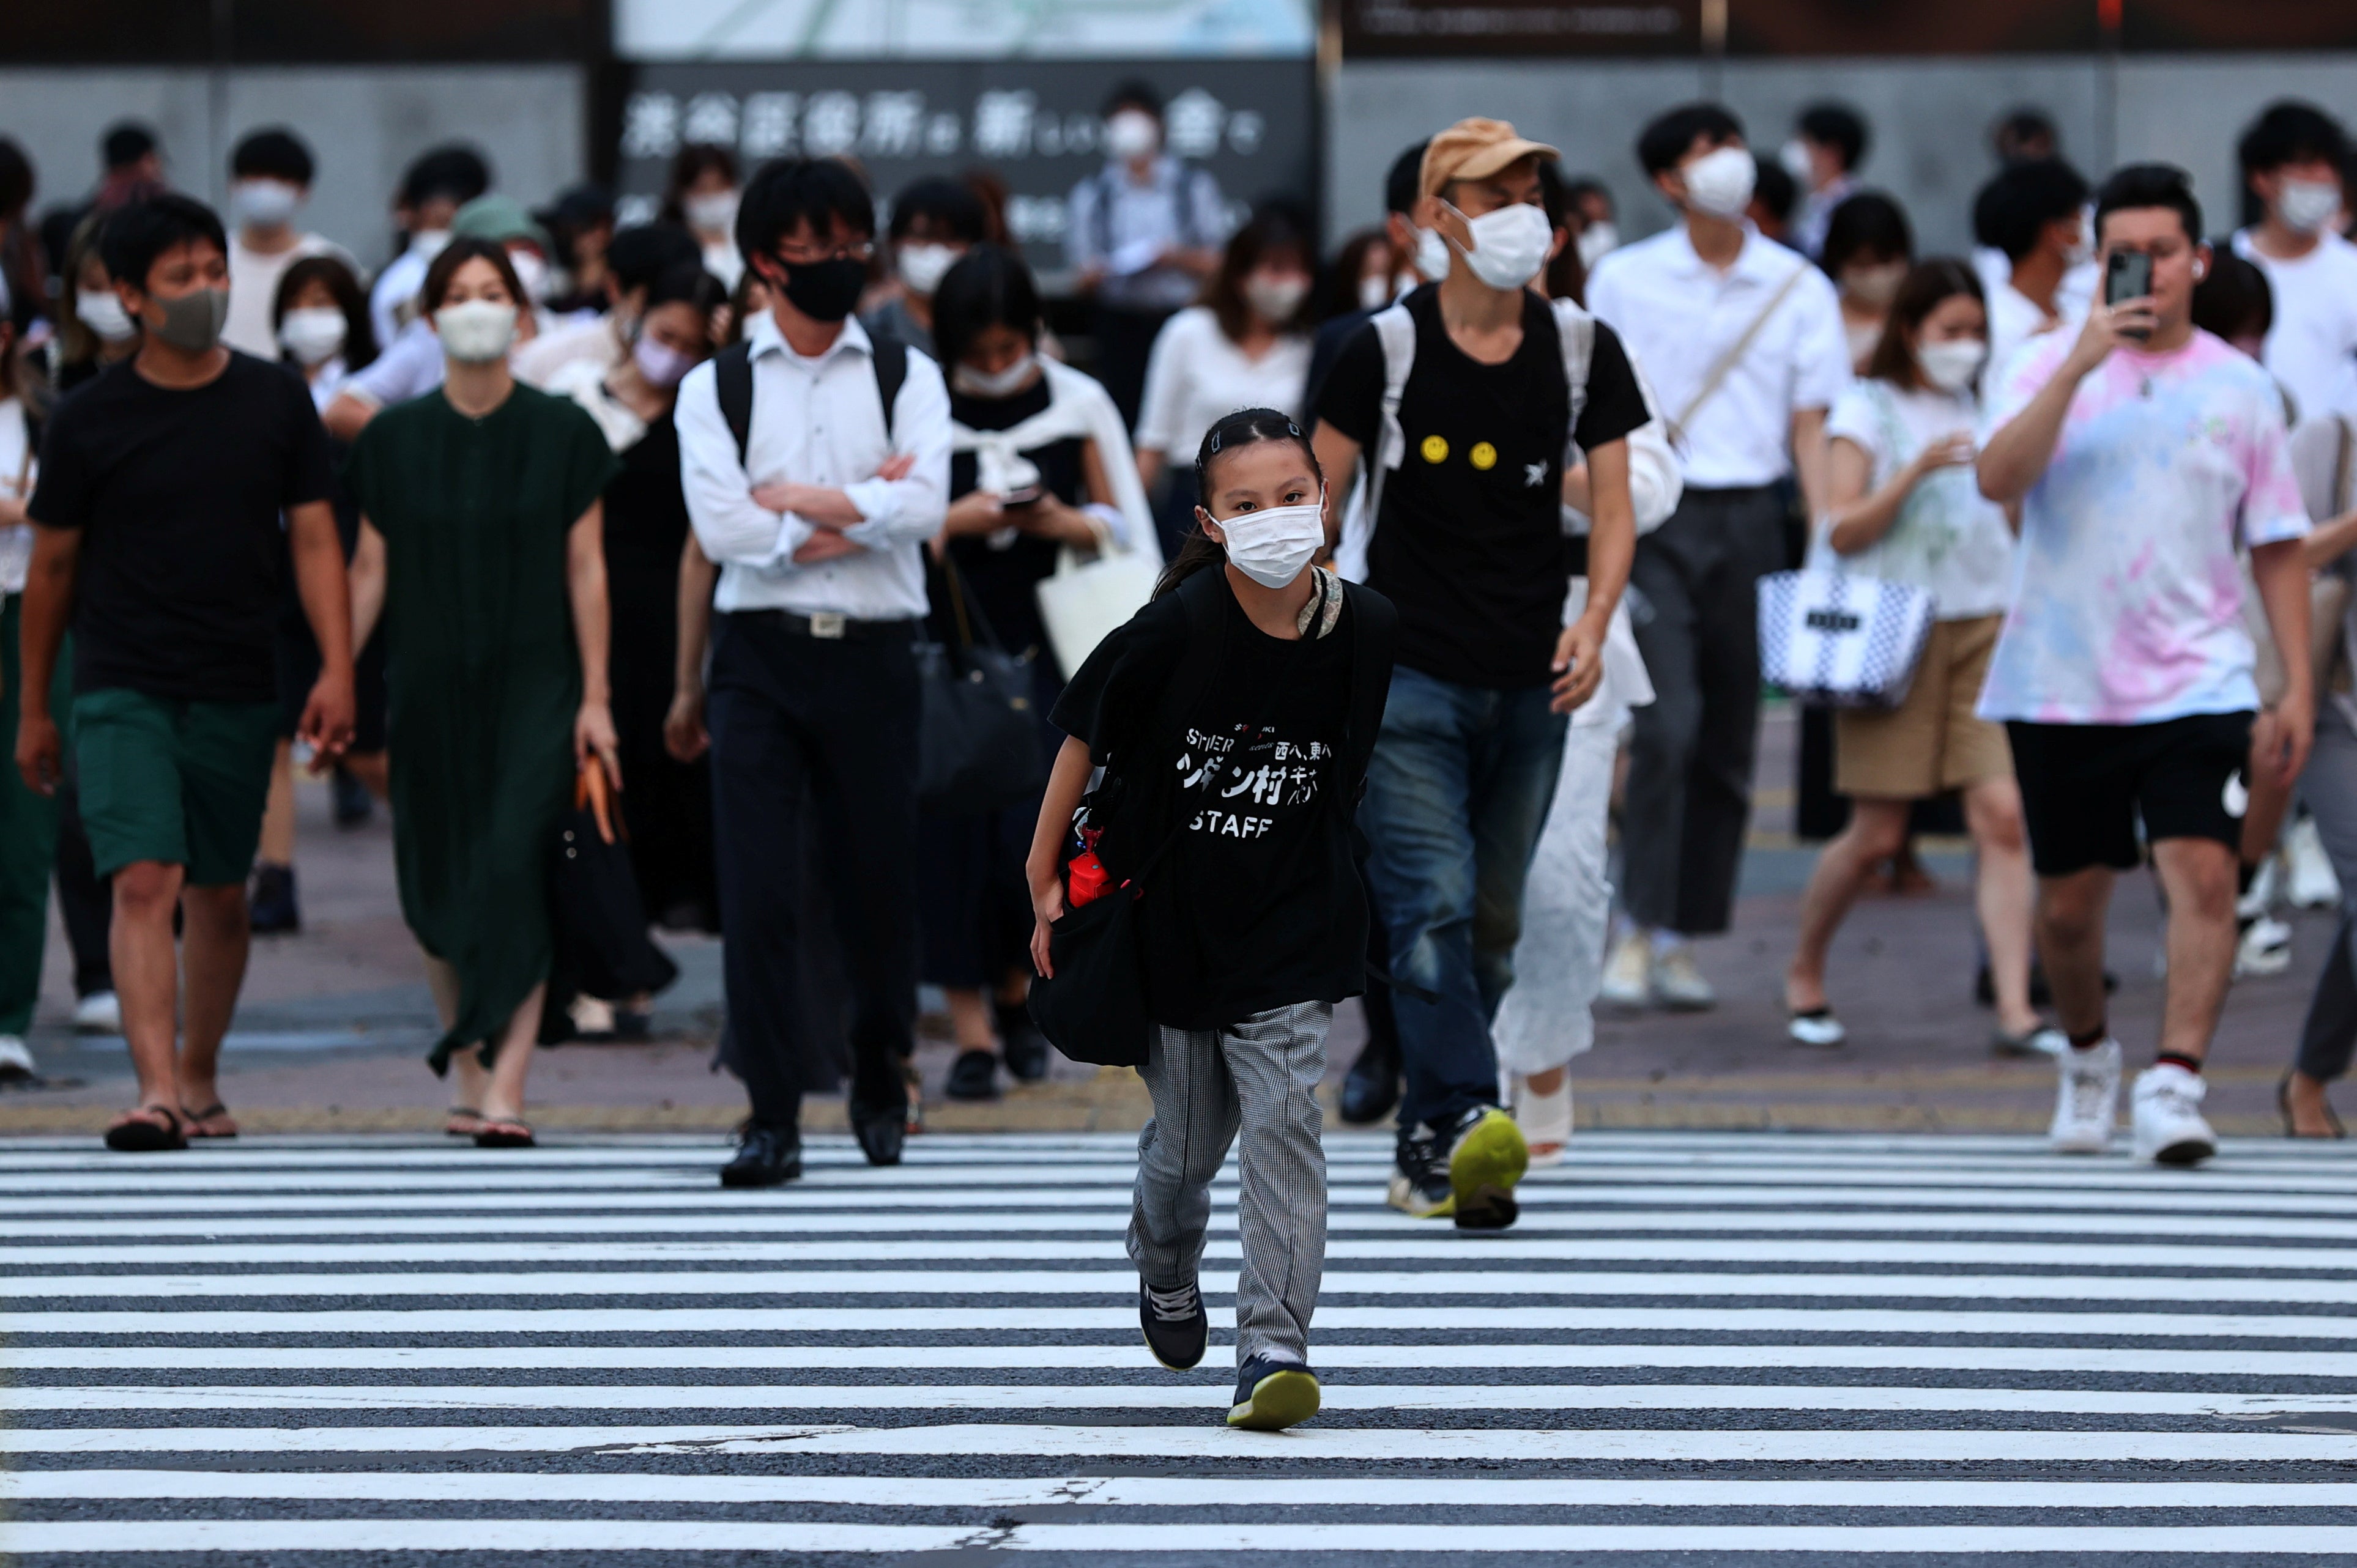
[{"x": 1195, "y": 376}]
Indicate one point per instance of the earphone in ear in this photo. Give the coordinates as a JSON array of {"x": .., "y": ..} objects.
[{"x": 2201, "y": 269}]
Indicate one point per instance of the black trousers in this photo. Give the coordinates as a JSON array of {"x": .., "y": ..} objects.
[
  {"x": 1697, "y": 623},
  {"x": 814, "y": 741},
  {"x": 1125, "y": 340}
]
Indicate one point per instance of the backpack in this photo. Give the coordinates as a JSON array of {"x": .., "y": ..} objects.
[
  {"x": 1395, "y": 332},
  {"x": 732, "y": 383}
]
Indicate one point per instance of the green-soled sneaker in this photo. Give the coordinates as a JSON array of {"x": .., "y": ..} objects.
[
  {"x": 1273, "y": 1395},
  {"x": 1486, "y": 1156}
]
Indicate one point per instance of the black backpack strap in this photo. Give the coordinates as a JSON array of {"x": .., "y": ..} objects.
[
  {"x": 889, "y": 357},
  {"x": 1373, "y": 637},
  {"x": 732, "y": 383}
]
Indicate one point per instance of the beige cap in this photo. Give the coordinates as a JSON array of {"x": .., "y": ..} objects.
[{"x": 1474, "y": 149}]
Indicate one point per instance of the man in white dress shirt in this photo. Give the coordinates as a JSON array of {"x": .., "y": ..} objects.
[
  {"x": 1742, "y": 340},
  {"x": 814, "y": 490},
  {"x": 2292, "y": 158}
]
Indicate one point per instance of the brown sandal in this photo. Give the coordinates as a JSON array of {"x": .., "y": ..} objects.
[
  {"x": 146, "y": 1130},
  {"x": 503, "y": 1133},
  {"x": 200, "y": 1123}
]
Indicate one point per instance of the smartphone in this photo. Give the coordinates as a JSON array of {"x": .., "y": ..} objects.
[
  {"x": 2127, "y": 275},
  {"x": 1028, "y": 496}
]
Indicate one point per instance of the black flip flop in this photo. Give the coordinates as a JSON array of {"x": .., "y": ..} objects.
[
  {"x": 137, "y": 1135},
  {"x": 195, "y": 1120}
]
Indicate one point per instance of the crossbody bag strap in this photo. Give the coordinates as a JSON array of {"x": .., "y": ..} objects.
[
  {"x": 732, "y": 386},
  {"x": 1726, "y": 361}
]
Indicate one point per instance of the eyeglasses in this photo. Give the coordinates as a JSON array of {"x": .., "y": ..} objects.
[{"x": 795, "y": 255}]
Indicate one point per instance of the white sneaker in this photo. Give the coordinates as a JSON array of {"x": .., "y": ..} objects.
[
  {"x": 2267, "y": 885},
  {"x": 100, "y": 1012},
  {"x": 2167, "y": 1106},
  {"x": 1629, "y": 972},
  {"x": 2313, "y": 884},
  {"x": 1678, "y": 985},
  {"x": 2087, "y": 1100},
  {"x": 16, "y": 1060},
  {"x": 2264, "y": 949}
]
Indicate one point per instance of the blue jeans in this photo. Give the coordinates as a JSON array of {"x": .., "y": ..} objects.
[{"x": 1457, "y": 793}]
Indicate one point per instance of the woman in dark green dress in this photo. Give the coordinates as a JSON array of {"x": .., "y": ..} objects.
[{"x": 481, "y": 543}]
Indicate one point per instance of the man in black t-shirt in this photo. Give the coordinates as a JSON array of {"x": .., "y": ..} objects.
[
  {"x": 162, "y": 488},
  {"x": 1469, "y": 543}
]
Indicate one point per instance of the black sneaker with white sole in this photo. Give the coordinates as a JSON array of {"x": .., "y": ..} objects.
[
  {"x": 1175, "y": 1325},
  {"x": 1272, "y": 1395}
]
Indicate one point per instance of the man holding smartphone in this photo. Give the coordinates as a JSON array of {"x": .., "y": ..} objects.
[{"x": 2141, "y": 451}]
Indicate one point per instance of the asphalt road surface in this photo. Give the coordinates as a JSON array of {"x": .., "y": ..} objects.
[{"x": 1696, "y": 1349}]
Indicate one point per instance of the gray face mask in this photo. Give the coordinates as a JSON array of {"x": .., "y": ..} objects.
[{"x": 193, "y": 322}]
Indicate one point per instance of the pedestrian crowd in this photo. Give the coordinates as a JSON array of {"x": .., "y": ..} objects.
[{"x": 1387, "y": 624}]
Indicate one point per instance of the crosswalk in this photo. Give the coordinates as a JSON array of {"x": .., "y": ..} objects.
[{"x": 1693, "y": 1348}]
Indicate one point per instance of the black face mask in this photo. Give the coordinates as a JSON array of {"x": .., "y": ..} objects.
[{"x": 825, "y": 291}]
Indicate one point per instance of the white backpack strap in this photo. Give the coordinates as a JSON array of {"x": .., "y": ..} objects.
[
  {"x": 1577, "y": 329},
  {"x": 1395, "y": 333}
]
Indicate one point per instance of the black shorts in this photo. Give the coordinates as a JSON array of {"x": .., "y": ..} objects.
[{"x": 2083, "y": 787}]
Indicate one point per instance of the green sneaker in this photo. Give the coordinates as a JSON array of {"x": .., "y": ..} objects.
[
  {"x": 1273, "y": 1395},
  {"x": 1486, "y": 1157}
]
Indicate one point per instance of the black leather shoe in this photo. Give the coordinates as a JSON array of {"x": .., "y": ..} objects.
[
  {"x": 973, "y": 1076},
  {"x": 880, "y": 1133},
  {"x": 766, "y": 1157},
  {"x": 1372, "y": 1087},
  {"x": 1022, "y": 1043}
]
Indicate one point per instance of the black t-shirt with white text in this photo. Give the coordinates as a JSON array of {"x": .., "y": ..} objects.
[
  {"x": 1470, "y": 544},
  {"x": 1258, "y": 903},
  {"x": 178, "y": 495}
]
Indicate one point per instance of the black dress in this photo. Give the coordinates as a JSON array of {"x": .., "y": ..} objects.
[
  {"x": 667, "y": 803},
  {"x": 972, "y": 897}
]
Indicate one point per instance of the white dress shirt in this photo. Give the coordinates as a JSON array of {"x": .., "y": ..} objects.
[
  {"x": 1680, "y": 314},
  {"x": 817, "y": 422}
]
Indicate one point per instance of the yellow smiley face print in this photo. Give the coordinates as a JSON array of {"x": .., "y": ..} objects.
[
  {"x": 1483, "y": 456},
  {"x": 1435, "y": 450}
]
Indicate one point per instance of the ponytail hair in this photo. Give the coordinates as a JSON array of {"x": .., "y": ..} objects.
[{"x": 1230, "y": 433}]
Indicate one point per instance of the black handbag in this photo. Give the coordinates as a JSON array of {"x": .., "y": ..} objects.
[
  {"x": 979, "y": 749},
  {"x": 602, "y": 946}
]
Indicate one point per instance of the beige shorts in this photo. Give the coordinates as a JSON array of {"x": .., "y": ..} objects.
[{"x": 1931, "y": 742}]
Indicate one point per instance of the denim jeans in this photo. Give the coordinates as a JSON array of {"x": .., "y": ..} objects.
[{"x": 1459, "y": 789}]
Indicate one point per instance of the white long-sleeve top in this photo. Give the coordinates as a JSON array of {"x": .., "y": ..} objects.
[{"x": 817, "y": 422}]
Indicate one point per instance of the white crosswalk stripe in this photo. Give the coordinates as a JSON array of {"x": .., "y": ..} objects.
[{"x": 1695, "y": 1347}]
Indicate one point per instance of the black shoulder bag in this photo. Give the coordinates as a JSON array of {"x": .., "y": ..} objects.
[{"x": 978, "y": 745}]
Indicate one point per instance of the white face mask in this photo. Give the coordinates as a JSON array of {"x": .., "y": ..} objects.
[
  {"x": 313, "y": 335},
  {"x": 1720, "y": 183},
  {"x": 1274, "y": 299},
  {"x": 263, "y": 203},
  {"x": 427, "y": 243},
  {"x": 1597, "y": 241},
  {"x": 1272, "y": 547},
  {"x": 1432, "y": 256},
  {"x": 922, "y": 266},
  {"x": 104, "y": 314},
  {"x": 1951, "y": 366},
  {"x": 1376, "y": 292},
  {"x": 2081, "y": 250},
  {"x": 1794, "y": 156},
  {"x": 2306, "y": 206},
  {"x": 1132, "y": 134},
  {"x": 1874, "y": 285},
  {"x": 531, "y": 271},
  {"x": 476, "y": 331},
  {"x": 1510, "y": 245},
  {"x": 715, "y": 212},
  {"x": 994, "y": 383}
]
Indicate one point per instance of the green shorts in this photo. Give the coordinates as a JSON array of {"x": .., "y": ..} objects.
[{"x": 180, "y": 782}]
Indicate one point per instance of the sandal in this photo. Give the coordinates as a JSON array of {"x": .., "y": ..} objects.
[
  {"x": 146, "y": 1130},
  {"x": 200, "y": 1123},
  {"x": 503, "y": 1133},
  {"x": 467, "y": 1114},
  {"x": 2283, "y": 1103}
]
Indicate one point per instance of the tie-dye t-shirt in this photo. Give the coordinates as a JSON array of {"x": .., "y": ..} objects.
[{"x": 2126, "y": 596}]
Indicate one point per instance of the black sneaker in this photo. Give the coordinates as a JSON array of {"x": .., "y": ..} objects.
[
  {"x": 1420, "y": 1176},
  {"x": 1022, "y": 1043},
  {"x": 272, "y": 909},
  {"x": 973, "y": 1076},
  {"x": 1273, "y": 1395},
  {"x": 354, "y": 804},
  {"x": 1175, "y": 1323},
  {"x": 766, "y": 1157}
]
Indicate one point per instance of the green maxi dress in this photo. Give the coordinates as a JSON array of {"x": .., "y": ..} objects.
[{"x": 485, "y": 676}]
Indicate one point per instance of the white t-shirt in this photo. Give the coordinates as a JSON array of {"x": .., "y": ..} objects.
[
  {"x": 253, "y": 288},
  {"x": 1195, "y": 375},
  {"x": 2015, "y": 319},
  {"x": 1948, "y": 537},
  {"x": 16, "y": 475},
  {"x": 2127, "y": 595},
  {"x": 2312, "y": 347}
]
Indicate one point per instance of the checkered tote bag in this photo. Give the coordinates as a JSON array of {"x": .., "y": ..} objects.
[{"x": 1844, "y": 641}]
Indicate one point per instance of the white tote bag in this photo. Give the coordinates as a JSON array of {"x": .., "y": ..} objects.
[
  {"x": 1844, "y": 640},
  {"x": 1086, "y": 600}
]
